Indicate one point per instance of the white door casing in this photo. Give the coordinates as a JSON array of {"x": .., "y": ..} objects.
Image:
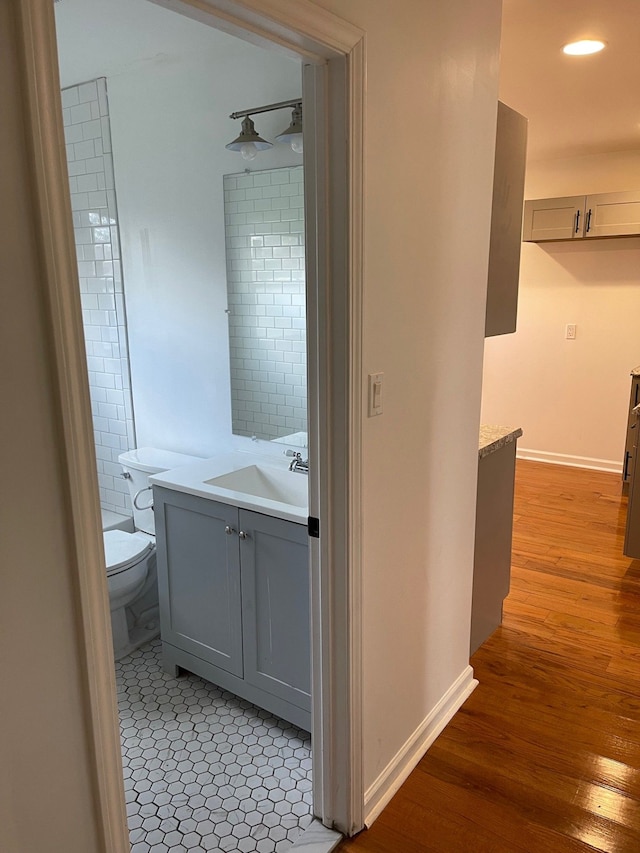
[{"x": 334, "y": 81}]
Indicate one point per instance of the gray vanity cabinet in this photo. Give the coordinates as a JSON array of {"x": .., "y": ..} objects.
[{"x": 234, "y": 600}]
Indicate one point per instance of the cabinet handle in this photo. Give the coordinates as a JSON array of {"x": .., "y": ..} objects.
[
  {"x": 229, "y": 530},
  {"x": 577, "y": 221},
  {"x": 586, "y": 230},
  {"x": 244, "y": 535}
]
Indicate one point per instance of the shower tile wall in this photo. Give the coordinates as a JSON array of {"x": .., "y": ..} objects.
[
  {"x": 264, "y": 226},
  {"x": 95, "y": 220}
]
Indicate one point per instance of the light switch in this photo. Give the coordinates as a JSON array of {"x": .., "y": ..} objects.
[{"x": 375, "y": 394}]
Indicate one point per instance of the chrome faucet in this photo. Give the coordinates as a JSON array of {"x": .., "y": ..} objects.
[{"x": 298, "y": 463}]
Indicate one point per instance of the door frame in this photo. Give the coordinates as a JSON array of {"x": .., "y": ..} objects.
[{"x": 333, "y": 51}]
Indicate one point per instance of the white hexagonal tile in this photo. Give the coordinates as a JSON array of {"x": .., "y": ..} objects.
[
  {"x": 199, "y": 759},
  {"x": 222, "y": 829},
  {"x": 247, "y": 845}
]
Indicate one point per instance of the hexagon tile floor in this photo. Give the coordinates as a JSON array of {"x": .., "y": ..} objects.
[{"x": 205, "y": 770}]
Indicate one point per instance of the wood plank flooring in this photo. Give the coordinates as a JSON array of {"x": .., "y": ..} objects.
[{"x": 544, "y": 757}]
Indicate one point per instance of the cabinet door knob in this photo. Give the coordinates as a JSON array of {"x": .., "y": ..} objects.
[
  {"x": 244, "y": 535},
  {"x": 229, "y": 530}
]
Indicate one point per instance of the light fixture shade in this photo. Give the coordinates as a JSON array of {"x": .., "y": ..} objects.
[
  {"x": 293, "y": 134},
  {"x": 248, "y": 135}
]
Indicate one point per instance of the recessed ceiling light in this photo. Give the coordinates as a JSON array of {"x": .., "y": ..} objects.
[{"x": 583, "y": 48}]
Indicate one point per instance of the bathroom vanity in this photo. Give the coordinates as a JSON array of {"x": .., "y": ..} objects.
[
  {"x": 234, "y": 582},
  {"x": 494, "y": 524}
]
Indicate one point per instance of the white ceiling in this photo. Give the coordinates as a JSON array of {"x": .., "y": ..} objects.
[{"x": 575, "y": 105}]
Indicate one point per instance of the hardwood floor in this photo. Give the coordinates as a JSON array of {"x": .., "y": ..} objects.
[{"x": 545, "y": 754}]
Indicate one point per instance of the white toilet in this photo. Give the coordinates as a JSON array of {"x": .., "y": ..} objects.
[{"x": 131, "y": 557}]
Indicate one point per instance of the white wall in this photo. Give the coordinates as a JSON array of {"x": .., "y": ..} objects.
[
  {"x": 571, "y": 397},
  {"x": 170, "y": 124},
  {"x": 432, "y": 66}
]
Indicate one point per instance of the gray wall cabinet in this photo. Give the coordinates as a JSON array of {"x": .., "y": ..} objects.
[
  {"x": 234, "y": 601},
  {"x": 547, "y": 219},
  {"x": 506, "y": 222},
  {"x": 582, "y": 217}
]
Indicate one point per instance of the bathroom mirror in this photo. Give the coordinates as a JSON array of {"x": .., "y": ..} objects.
[{"x": 264, "y": 238}]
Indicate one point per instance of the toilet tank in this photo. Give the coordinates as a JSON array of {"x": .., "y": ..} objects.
[{"x": 138, "y": 465}]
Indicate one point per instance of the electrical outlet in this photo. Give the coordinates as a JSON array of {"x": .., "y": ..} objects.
[{"x": 571, "y": 332}]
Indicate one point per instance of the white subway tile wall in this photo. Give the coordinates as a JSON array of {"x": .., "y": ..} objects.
[
  {"x": 95, "y": 220},
  {"x": 264, "y": 227}
]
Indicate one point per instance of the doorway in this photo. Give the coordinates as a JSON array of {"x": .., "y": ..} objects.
[
  {"x": 336, "y": 735},
  {"x": 145, "y": 153}
]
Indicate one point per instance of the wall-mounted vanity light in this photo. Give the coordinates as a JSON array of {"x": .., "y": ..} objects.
[
  {"x": 248, "y": 143},
  {"x": 293, "y": 134}
]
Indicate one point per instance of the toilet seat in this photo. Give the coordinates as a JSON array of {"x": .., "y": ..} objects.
[{"x": 123, "y": 550}]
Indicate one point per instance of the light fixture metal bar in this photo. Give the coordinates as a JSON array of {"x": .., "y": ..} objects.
[{"x": 281, "y": 105}]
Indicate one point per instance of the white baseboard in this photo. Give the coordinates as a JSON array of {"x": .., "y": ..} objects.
[
  {"x": 398, "y": 769},
  {"x": 571, "y": 461}
]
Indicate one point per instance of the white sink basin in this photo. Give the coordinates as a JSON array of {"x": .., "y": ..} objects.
[
  {"x": 272, "y": 484},
  {"x": 259, "y": 483}
]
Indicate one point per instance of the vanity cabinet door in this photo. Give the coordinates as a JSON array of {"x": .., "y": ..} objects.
[
  {"x": 275, "y": 607},
  {"x": 199, "y": 577}
]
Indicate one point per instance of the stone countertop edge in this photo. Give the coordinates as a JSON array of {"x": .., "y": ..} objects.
[
  {"x": 636, "y": 371},
  {"x": 494, "y": 438}
]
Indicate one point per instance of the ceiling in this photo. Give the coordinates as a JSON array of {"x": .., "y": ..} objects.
[{"x": 575, "y": 105}]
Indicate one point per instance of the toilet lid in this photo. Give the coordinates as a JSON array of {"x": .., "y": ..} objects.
[{"x": 122, "y": 549}]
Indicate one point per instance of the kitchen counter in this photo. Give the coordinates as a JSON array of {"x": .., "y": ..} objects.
[
  {"x": 636, "y": 371},
  {"x": 494, "y": 522},
  {"x": 493, "y": 438}
]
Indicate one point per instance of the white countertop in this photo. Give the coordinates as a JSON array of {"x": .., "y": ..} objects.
[{"x": 191, "y": 479}]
